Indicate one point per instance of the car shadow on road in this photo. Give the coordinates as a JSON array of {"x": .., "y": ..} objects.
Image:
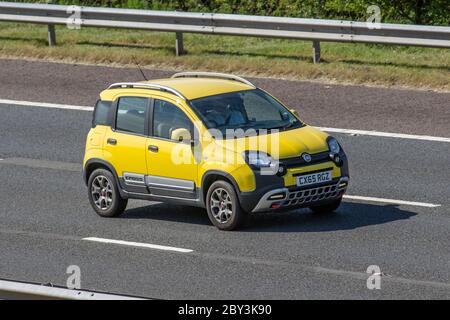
[
  {"x": 167, "y": 212},
  {"x": 350, "y": 215}
]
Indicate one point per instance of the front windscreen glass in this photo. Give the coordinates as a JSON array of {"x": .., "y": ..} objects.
[{"x": 249, "y": 109}]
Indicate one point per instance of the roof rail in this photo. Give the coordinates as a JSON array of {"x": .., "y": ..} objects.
[
  {"x": 147, "y": 85},
  {"x": 212, "y": 75}
]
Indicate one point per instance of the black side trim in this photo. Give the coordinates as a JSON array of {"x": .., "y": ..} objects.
[
  {"x": 166, "y": 199},
  {"x": 94, "y": 161},
  {"x": 133, "y": 187},
  {"x": 248, "y": 200},
  {"x": 219, "y": 173},
  {"x": 223, "y": 174},
  {"x": 264, "y": 183},
  {"x": 173, "y": 192}
]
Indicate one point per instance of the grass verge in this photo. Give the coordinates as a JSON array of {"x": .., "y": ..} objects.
[{"x": 341, "y": 63}]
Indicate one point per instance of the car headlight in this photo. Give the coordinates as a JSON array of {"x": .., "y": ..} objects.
[
  {"x": 258, "y": 159},
  {"x": 333, "y": 145}
]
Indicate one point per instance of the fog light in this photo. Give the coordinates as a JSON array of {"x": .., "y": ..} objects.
[
  {"x": 275, "y": 206},
  {"x": 342, "y": 184}
]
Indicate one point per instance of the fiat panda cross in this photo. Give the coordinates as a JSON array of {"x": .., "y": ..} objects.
[{"x": 209, "y": 140}]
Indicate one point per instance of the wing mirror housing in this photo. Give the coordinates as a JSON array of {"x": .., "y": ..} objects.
[{"x": 181, "y": 134}]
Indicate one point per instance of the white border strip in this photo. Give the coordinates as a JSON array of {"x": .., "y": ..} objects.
[
  {"x": 336, "y": 130},
  {"x": 45, "y": 105},
  {"x": 392, "y": 201},
  {"x": 138, "y": 244},
  {"x": 385, "y": 134}
]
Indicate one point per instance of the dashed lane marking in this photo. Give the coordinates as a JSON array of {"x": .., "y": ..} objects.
[{"x": 138, "y": 244}]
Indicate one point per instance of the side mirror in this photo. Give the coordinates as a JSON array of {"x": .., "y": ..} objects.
[{"x": 181, "y": 135}]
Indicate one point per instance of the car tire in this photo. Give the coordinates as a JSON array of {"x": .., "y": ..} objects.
[
  {"x": 104, "y": 194},
  {"x": 327, "y": 208},
  {"x": 223, "y": 207}
]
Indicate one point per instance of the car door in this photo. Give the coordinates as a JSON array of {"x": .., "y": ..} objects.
[
  {"x": 171, "y": 168},
  {"x": 125, "y": 141}
]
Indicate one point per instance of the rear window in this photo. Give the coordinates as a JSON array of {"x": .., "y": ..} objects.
[{"x": 101, "y": 112}]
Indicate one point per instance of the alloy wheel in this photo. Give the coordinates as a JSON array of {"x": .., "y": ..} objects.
[
  {"x": 221, "y": 205},
  {"x": 102, "y": 192}
]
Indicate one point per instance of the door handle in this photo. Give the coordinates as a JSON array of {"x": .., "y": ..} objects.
[
  {"x": 153, "y": 148},
  {"x": 111, "y": 141}
]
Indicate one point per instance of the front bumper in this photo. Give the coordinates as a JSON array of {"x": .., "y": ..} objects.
[
  {"x": 302, "y": 197},
  {"x": 266, "y": 186}
]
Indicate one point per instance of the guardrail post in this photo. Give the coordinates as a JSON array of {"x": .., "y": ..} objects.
[
  {"x": 51, "y": 35},
  {"x": 316, "y": 51},
  {"x": 179, "y": 49}
]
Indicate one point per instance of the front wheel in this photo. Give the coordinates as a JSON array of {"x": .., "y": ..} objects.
[
  {"x": 224, "y": 209},
  {"x": 104, "y": 194},
  {"x": 327, "y": 208}
]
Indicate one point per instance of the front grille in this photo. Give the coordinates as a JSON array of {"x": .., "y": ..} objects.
[
  {"x": 298, "y": 161},
  {"x": 305, "y": 196}
]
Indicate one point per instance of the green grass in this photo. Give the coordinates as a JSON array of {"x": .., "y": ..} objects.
[{"x": 341, "y": 63}]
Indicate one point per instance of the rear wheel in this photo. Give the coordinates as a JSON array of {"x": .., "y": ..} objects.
[
  {"x": 104, "y": 194},
  {"x": 327, "y": 208},
  {"x": 224, "y": 209}
]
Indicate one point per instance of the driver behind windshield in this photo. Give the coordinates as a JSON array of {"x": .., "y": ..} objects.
[{"x": 244, "y": 109}]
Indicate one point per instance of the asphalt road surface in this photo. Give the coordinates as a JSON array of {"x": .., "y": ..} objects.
[{"x": 45, "y": 216}]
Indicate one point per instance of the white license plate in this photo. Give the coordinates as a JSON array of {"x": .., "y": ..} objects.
[{"x": 314, "y": 178}]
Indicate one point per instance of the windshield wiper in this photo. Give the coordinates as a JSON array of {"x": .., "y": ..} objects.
[{"x": 283, "y": 127}]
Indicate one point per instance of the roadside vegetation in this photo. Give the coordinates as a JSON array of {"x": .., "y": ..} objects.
[{"x": 291, "y": 59}]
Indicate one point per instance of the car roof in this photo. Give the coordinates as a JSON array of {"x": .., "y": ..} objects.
[{"x": 191, "y": 88}]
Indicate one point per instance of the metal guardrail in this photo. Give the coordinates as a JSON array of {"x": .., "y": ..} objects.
[
  {"x": 16, "y": 290},
  {"x": 315, "y": 30}
]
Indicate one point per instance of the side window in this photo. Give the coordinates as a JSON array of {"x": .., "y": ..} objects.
[
  {"x": 167, "y": 118},
  {"x": 131, "y": 114},
  {"x": 101, "y": 113}
]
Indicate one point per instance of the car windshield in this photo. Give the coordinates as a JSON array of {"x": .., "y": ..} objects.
[{"x": 249, "y": 109}]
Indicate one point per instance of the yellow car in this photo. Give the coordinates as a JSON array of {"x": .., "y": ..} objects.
[{"x": 209, "y": 140}]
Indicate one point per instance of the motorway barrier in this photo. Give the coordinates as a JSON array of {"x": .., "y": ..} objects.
[
  {"x": 315, "y": 30},
  {"x": 15, "y": 290}
]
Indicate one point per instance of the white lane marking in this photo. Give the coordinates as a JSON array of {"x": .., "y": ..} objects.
[
  {"x": 138, "y": 244},
  {"x": 385, "y": 134},
  {"x": 336, "y": 130},
  {"x": 45, "y": 164},
  {"x": 45, "y": 105},
  {"x": 393, "y": 201}
]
